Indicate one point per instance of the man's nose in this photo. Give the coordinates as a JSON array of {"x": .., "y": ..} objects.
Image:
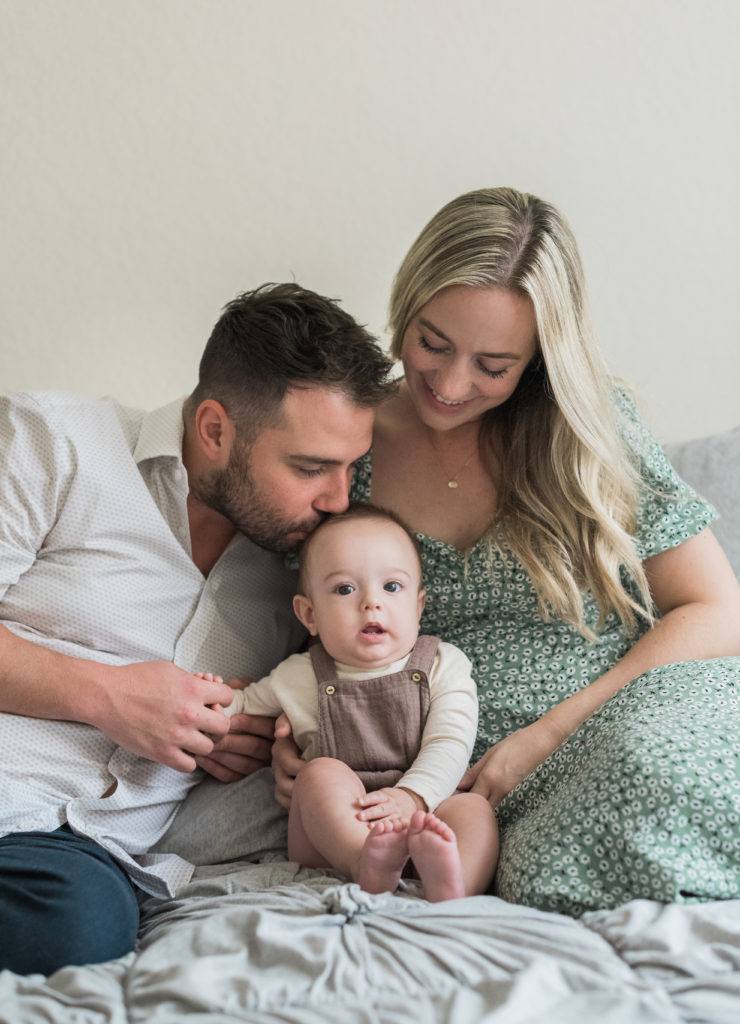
[{"x": 334, "y": 496}]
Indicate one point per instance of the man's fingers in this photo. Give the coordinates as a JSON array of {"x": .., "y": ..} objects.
[
  {"x": 282, "y": 726},
  {"x": 229, "y": 769},
  {"x": 257, "y": 725},
  {"x": 245, "y": 744}
]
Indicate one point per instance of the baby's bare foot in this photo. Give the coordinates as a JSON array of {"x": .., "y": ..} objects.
[
  {"x": 433, "y": 848},
  {"x": 383, "y": 855}
]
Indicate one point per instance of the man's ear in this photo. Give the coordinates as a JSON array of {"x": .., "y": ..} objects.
[
  {"x": 214, "y": 431},
  {"x": 303, "y": 608}
]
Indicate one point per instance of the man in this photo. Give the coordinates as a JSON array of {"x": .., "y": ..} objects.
[{"x": 136, "y": 549}]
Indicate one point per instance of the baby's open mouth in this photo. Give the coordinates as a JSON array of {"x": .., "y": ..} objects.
[{"x": 374, "y": 628}]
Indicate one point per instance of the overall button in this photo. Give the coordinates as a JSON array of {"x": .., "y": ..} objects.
[
  {"x": 330, "y": 690},
  {"x": 416, "y": 677}
]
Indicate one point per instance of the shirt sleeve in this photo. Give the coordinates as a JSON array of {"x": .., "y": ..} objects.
[
  {"x": 256, "y": 699},
  {"x": 669, "y": 510},
  {"x": 36, "y": 467},
  {"x": 449, "y": 733}
]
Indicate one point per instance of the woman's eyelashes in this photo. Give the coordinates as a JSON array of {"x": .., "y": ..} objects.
[
  {"x": 435, "y": 350},
  {"x": 429, "y": 348},
  {"x": 492, "y": 373}
]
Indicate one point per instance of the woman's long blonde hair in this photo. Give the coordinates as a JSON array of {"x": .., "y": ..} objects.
[{"x": 568, "y": 491}]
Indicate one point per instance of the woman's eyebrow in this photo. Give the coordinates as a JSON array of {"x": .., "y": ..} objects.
[{"x": 435, "y": 330}]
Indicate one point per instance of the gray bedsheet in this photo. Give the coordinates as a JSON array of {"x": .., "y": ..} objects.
[{"x": 275, "y": 943}]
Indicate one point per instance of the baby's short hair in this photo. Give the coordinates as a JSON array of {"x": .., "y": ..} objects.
[{"x": 356, "y": 510}]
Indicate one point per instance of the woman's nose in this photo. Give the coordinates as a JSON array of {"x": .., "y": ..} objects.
[{"x": 453, "y": 382}]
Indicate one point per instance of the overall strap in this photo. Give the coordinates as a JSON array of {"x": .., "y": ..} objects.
[
  {"x": 323, "y": 665},
  {"x": 423, "y": 654}
]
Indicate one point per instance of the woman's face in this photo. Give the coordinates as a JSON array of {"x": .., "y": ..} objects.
[{"x": 465, "y": 351}]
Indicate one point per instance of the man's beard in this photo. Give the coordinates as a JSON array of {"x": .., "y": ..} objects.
[{"x": 233, "y": 493}]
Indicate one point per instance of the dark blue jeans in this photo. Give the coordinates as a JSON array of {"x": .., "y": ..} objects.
[{"x": 63, "y": 900}]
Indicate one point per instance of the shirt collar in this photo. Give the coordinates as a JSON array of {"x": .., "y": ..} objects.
[{"x": 161, "y": 433}]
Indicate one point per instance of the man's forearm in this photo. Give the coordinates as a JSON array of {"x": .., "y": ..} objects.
[{"x": 41, "y": 683}]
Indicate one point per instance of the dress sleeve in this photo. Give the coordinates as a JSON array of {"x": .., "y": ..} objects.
[{"x": 669, "y": 510}]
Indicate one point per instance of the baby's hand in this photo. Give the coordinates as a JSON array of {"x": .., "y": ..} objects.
[
  {"x": 210, "y": 678},
  {"x": 389, "y": 802}
]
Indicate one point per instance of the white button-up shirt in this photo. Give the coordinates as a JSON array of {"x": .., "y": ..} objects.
[{"x": 95, "y": 562}]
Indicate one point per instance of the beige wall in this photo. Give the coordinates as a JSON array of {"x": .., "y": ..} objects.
[{"x": 158, "y": 156}]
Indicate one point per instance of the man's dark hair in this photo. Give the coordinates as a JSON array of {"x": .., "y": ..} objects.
[
  {"x": 356, "y": 510},
  {"x": 282, "y": 336}
]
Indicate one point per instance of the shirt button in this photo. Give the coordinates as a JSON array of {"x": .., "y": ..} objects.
[
  {"x": 416, "y": 677},
  {"x": 330, "y": 690}
]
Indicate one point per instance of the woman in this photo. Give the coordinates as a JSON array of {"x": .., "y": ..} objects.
[{"x": 567, "y": 560}]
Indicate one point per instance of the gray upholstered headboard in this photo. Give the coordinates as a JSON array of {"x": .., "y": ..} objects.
[{"x": 712, "y": 466}]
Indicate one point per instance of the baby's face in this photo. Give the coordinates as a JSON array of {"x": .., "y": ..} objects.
[{"x": 364, "y": 598}]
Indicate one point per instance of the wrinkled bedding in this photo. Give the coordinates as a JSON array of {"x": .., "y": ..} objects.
[{"x": 269, "y": 943}]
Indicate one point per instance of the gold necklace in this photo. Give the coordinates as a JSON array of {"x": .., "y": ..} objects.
[{"x": 453, "y": 481}]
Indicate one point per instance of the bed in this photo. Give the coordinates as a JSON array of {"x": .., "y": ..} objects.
[{"x": 255, "y": 938}]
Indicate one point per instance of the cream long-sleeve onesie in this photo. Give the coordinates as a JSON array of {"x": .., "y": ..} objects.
[{"x": 448, "y": 736}]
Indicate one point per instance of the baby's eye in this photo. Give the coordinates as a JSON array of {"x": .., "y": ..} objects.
[
  {"x": 392, "y": 586},
  {"x": 344, "y": 589}
]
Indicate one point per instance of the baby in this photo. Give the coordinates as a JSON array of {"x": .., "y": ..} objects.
[{"x": 385, "y": 719}]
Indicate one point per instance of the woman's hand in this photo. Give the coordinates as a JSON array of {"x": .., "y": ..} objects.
[
  {"x": 286, "y": 761},
  {"x": 504, "y": 766},
  {"x": 389, "y": 802}
]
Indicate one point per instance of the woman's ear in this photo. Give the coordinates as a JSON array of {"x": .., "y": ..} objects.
[{"x": 303, "y": 608}]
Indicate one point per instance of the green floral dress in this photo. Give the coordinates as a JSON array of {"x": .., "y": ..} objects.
[{"x": 643, "y": 800}]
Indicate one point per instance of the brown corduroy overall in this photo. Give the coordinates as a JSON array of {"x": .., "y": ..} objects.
[{"x": 374, "y": 725}]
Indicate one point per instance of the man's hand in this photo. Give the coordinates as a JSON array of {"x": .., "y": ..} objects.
[
  {"x": 389, "y": 802},
  {"x": 245, "y": 749},
  {"x": 286, "y": 761},
  {"x": 159, "y": 711}
]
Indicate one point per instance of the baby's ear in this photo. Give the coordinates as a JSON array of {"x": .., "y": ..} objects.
[
  {"x": 304, "y": 612},
  {"x": 422, "y": 601}
]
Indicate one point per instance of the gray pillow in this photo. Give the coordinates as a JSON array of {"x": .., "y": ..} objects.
[{"x": 712, "y": 466}]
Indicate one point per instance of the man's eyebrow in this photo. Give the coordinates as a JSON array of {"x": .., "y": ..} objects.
[
  {"x": 316, "y": 460},
  {"x": 486, "y": 355},
  {"x": 322, "y": 460}
]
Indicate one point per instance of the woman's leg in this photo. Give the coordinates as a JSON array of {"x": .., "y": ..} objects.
[
  {"x": 323, "y": 829},
  {"x": 63, "y": 900}
]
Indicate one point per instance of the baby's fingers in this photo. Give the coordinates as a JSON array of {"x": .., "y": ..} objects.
[{"x": 370, "y": 799}]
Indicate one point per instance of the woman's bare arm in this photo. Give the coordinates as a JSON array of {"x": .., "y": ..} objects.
[{"x": 698, "y": 596}]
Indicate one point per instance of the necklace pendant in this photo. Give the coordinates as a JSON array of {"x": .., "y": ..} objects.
[{"x": 452, "y": 483}]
